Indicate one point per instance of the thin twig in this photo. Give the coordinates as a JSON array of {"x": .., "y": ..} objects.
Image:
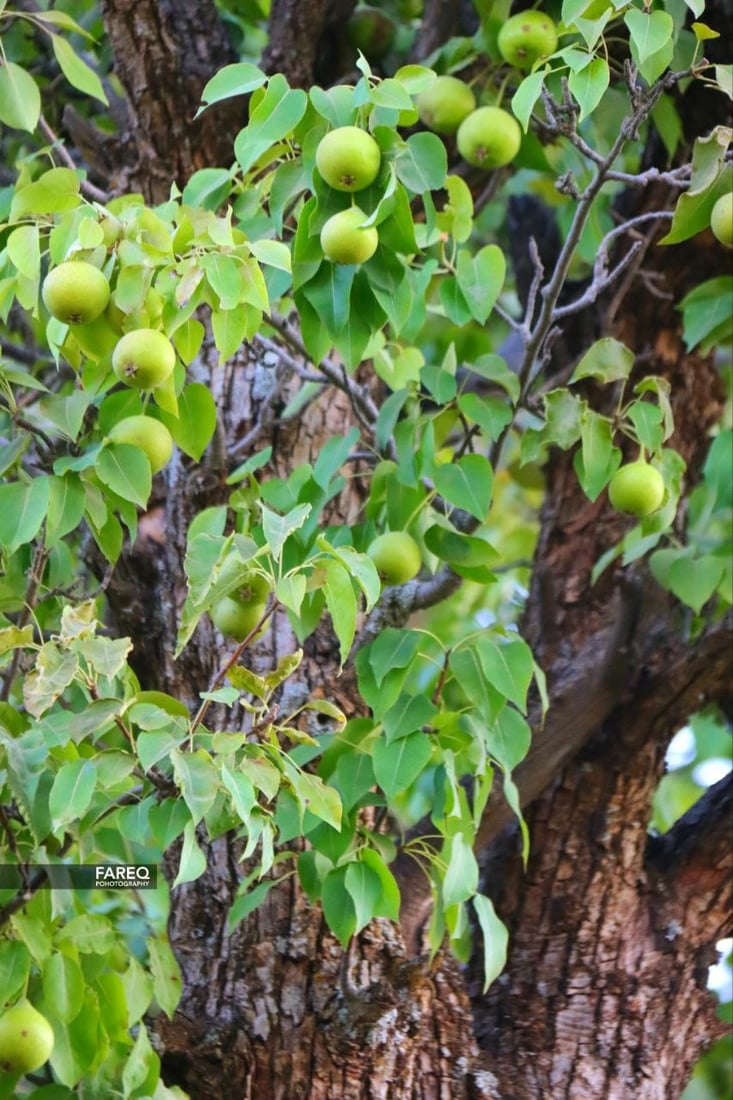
[{"x": 87, "y": 188}]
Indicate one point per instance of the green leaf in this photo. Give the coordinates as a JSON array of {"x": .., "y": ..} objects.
[
  {"x": 467, "y": 484},
  {"x": 706, "y": 308},
  {"x": 54, "y": 671},
  {"x": 409, "y": 713},
  {"x": 354, "y": 776},
  {"x": 231, "y": 327},
  {"x": 15, "y": 963},
  {"x": 492, "y": 414},
  {"x": 66, "y": 503},
  {"x": 494, "y": 369},
  {"x": 461, "y": 873},
  {"x": 422, "y": 163},
  {"x": 647, "y": 421},
  {"x": 338, "y": 590},
  {"x": 392, "y": 649},
  {"x": 495, "y": 937},
  {"x": 63, "y": 986},
  {"x": 365, "y": 888},
  {"x": 360, "y": 567},
  {"x": 67, "y": 412},
  {"x": 650, "y": 31},
  {"x": 314, "y": 796},
  {"x": 246, "y": 903},
  {"x": 142, "y": 1067},
  {"x": 469, "y": 672},
  {"x": 598, "y": 458},
  {"x": 126, "y": 471},
  {"x": 167, "y": 983},
  {"x": 468, "y": 555},
  {"x": 197, "y": 779},
  {"x": 23, "y": 508},
  {"x": 508, "y": 666},
  {"x": 526, "y": 96},
  {"x": 20, "y": 99},
  {"x": 195, "y": 424},
  {"x": 480, "y": 277},
  {"x": 76, "y": 71},
  {"x": 338, "y": 905},
  {"x": 192, "y": 863},
  {"x": 72, "y": 791},
  {"x": 711, "y": 178},
  {"x": 608, "y": 360},
  {"x": 508, "y": 738},
  {"x": 54, "y": 192},
  {"x": 232, "y": 80},
  {"x": 564, "y": 413},
  {"x": 388, "y": 902},
  {"x": 329, "y": 292},
  {"x": 588, "y": 85},
  {"x": 693, "y": 578},
  {"x": 275, "y": 116},
  {"x": 23, "y": 245},
  {"x": 398, "y": 764},
  {"x": 278, "y": 529},
  {"x": 208, "y": 188}
]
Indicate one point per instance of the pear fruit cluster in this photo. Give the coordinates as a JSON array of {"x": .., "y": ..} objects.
[{"x": 348, "y": 159}]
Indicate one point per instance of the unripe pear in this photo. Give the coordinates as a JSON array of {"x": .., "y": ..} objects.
[
  {"x": 444, "y": 106},
  {"x": 237, "y": 614},
  {"x": 637, "y": 488},
  {"x": 527, "y": 37},
  {"x": 344, "y": 241},
  {"x": 147, "y": 433},
  {"x": 75, "y": 292},
  {"x": 26, "y": 1039},
  {"x": 721, "y": 220},
  {"x": 372, "y": 32},
  {"x": 489, "y": 137},
  {"x": 144, "y": 358},
  {"x": 348, "y": 158},
  {"x": 396, "y": 557}
]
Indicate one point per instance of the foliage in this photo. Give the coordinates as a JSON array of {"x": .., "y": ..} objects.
[{"x": 95, "y": 769}]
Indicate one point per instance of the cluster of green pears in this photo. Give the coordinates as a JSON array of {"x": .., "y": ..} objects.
[
  {"x": 488, "y": 137},
  {"x": 348, "y": 158},
  {"x": 77, "y": 293}
]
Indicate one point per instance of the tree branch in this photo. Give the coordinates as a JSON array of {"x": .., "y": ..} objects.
[{"x": 692, "y": 866}]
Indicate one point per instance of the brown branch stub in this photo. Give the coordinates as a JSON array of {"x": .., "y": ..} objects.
[{"x": 691, "y": 868}]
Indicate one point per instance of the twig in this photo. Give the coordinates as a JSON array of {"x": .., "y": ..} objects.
[
  {"x": 220, "y": 676},
  {"x": 87, "y": 188}
]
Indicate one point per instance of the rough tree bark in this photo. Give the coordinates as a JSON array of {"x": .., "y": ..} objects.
[{"x": 604, "y": 992}]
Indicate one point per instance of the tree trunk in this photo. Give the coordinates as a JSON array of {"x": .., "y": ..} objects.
[{"x": 604, "y": 991}]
